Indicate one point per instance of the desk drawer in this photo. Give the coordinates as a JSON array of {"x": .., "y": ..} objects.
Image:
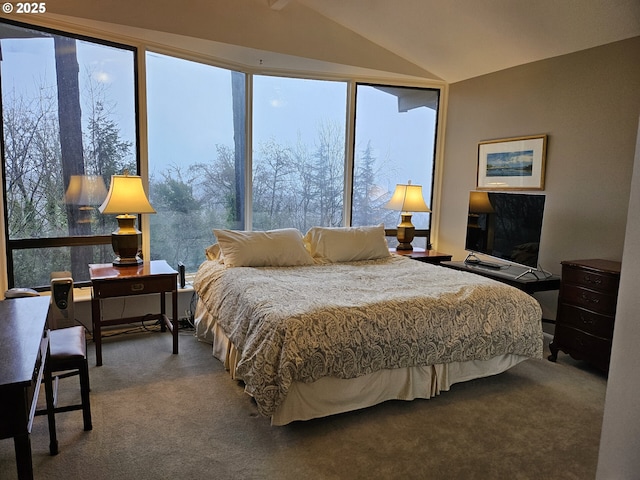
[
  {"x": 134, "y": 286},
  {"x": 38, "y": 373},
  {"x": 18, "y": 404}
]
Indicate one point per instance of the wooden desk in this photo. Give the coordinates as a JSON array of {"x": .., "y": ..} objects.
[
  {"x": 528, "y": 283},
  {"x": 24, "y": 349},
  {"x": 108, "y": 281}
]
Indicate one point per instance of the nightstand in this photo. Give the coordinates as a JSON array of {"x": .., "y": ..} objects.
[
  {"x": 422, "y": 255},
  {"x": 108, "y": 281}
]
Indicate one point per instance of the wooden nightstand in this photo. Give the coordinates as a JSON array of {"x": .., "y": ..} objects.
[
  {"x": 108, "y": 281},
  {"x": 422, "y": 255}
]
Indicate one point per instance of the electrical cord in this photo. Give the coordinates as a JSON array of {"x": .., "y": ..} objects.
[{"x": 144, "y": 327}]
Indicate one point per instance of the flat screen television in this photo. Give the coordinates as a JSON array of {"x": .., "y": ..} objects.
[{"x": 506, "y": 226}]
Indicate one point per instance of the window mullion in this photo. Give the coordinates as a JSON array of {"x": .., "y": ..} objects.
[{"x": 248, "y": 171}]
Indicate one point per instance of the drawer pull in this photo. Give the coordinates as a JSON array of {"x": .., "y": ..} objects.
[
  {"x": 589, "y": 279},
  {"x": 137, "y": 287},
  {"x": 587, "y": 298},
  {"x": 586, "y": 321}
]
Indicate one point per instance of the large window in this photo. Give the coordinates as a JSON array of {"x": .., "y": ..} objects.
[
  {"x": 394, "y": 143},
  {"x": 297, "y": 173},
  {"x": 298, "y": 152},
  {"x": 196, "y": 124},
  {"x": 295, "y": 156},
  {"x": 69, "y": 118}
]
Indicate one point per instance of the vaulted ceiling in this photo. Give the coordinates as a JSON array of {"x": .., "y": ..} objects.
[
  {"x": 460, "y": 39},
  {"x": 447, "y": 40}
]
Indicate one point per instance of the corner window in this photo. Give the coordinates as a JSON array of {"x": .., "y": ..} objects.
[
  {"x": 395, "y": 138},
  {"x": 214, "y": 160}
]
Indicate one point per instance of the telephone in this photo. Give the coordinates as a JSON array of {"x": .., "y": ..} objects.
[{"x": 20, "y": 292}]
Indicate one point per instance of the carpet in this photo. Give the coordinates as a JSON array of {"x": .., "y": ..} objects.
[{"x": 163, "y": 416}]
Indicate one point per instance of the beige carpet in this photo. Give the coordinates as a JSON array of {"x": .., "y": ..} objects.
[{"x": 163, "y": 416}]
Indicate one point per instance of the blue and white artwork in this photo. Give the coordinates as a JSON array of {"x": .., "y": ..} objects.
[{"x": 510, "y": 164}]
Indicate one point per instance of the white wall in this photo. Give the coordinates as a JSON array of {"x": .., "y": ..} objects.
[
  {"x": 620, "y": 441},
  {"x": 587, "y": 103}
]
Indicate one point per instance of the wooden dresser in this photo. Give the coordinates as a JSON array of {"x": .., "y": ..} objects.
[{"x": 586, "y": 311}]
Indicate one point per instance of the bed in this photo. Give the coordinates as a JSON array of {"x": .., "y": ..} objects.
[{"x": 314, "y": 326}]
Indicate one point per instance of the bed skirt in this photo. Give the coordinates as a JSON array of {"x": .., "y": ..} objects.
[{"x": 330, "y": 395}]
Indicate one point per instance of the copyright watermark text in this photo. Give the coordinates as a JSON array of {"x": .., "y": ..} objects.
[{"x": 24, "y": 7}]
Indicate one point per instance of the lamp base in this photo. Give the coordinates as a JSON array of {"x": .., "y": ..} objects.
[
  {"x": 127, "y": 262},
  {"x": 406, "y": 232},
  {"x": 126, "y": 242}
]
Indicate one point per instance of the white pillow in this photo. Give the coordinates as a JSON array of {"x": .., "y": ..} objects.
[
  {"x": 346, "y": 244},
  {"x": 274, "y": 248},
  {"x": 212, "y": 252}
]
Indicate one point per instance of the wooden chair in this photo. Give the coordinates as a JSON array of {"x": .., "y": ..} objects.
[
  {"x": 67, "y": 358},
  {"x": 68, "y": 348}
]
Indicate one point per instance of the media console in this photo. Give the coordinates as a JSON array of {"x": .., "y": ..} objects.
[{"x": 519, "y": 277}]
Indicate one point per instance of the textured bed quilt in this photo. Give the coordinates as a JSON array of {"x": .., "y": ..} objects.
[{"x": 349, "y": 319}]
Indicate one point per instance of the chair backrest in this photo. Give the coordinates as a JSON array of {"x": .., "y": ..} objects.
[{"x": 61, "y": 309}]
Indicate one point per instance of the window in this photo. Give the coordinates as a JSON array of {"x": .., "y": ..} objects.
[
  {"x": 61, "y": 123},
  {"x": 394, "y": 143},
  {"x": 68, "y": 109},
  {"x": 298, "y": 152},
  {"x": 196, "y": 125}
]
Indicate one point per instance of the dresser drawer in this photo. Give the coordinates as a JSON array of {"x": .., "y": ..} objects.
[
  {"x": 589, "y": 299},
  {"x": 586, "y": 320},
  {"x": 581, "y": 345},
  {"x": 593, "y": 280}
]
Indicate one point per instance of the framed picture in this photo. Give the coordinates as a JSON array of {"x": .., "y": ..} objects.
[{"x": 512, "y": 163}]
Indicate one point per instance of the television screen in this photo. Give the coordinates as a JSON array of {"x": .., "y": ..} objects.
[{"x": 506, "y": 226}]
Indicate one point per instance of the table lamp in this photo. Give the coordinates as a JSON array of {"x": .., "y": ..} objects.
[
  {"x": 407, "y": 198},
  {"x": 127, "y": 199},
  {"x": 86, "y": 192}
]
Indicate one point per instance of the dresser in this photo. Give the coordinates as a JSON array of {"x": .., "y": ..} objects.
[{"x": 586, "y": 311}]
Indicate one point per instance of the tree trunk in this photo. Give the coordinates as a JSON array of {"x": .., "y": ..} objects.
[
  {"x": 70, "y": 120},
  {"x": 239, "y": 137}
]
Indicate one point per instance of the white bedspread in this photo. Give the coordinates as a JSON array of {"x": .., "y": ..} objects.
[{"x": 298, "y": 324}]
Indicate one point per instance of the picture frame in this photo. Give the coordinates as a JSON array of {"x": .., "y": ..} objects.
[{"x": 512, "y": 163}]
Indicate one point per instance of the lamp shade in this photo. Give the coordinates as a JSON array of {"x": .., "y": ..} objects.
[
  {"x": 85, "y": 190},
  {"x": 407, "y": 198},
  {"x": 126, "y": 195},
  {"x": 479, "y": 203}
]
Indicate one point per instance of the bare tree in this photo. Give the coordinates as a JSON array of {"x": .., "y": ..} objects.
[{"x": 329, "y": 174}]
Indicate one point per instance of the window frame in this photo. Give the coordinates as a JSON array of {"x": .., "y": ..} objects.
[
  {"x": 139, "y": 47},
  {"x": 393, "y": 232},
  {"x": 12, "y": 245}
]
